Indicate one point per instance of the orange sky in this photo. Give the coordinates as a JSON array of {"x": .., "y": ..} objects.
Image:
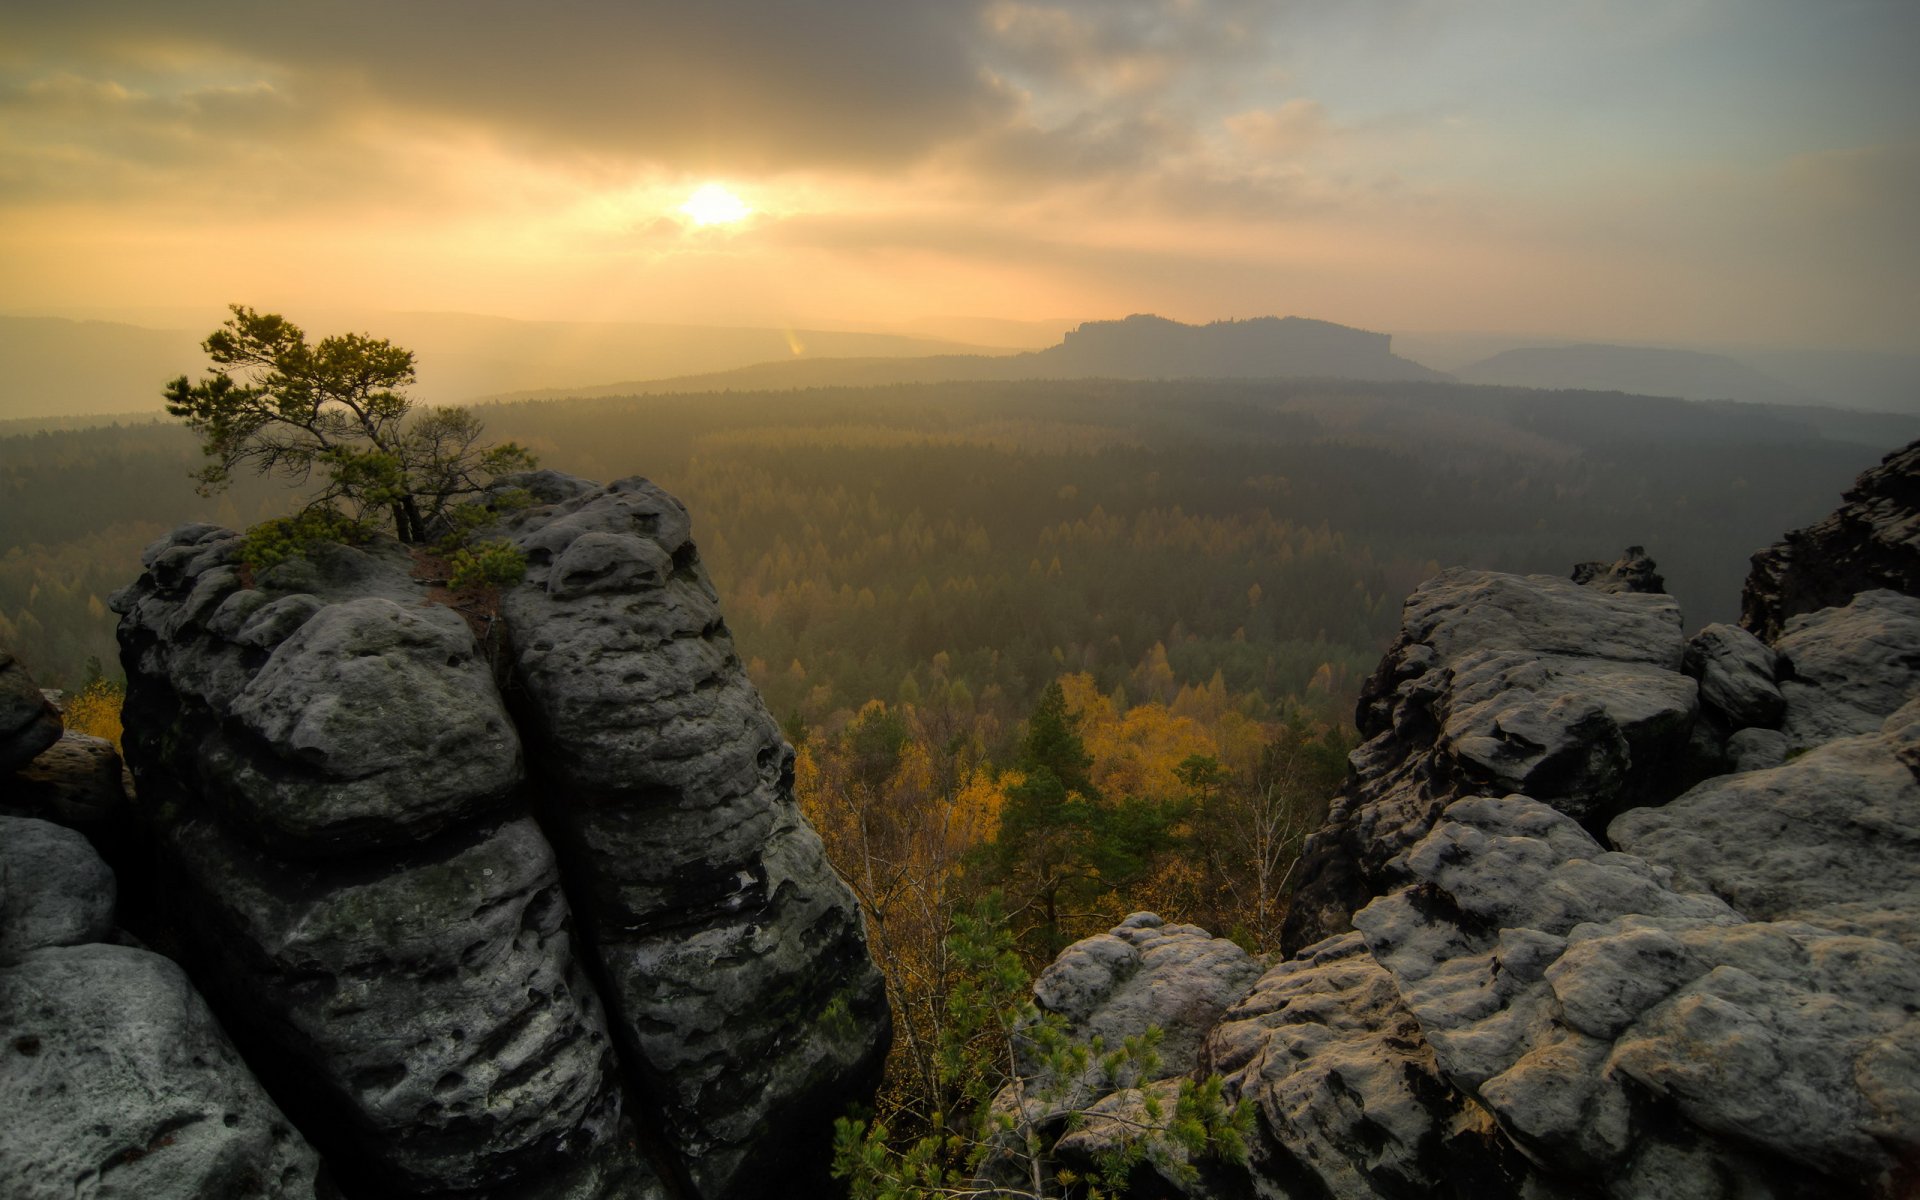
[{"x": 1688, "y": 170}]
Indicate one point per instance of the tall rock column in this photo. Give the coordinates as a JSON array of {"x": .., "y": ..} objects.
[
  {"x": 733, "y": 958},
  {"x": 334, "y": 787}
]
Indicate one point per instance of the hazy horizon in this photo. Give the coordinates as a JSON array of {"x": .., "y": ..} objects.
[{"x": 1707, "y": 173}]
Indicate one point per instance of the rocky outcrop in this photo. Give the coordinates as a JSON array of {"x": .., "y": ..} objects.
[
  {"x": 1633, "y": 571},
  {"x": 501, "y": 903},
  {"x": 1872, "y": 542},
  {"x": 1499, "y": 683},
  {"x": 1630, "y": 916}
]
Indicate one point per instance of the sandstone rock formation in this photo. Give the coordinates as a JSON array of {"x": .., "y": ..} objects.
[
  {"x": 1871, "y": 542},
  {"x": 28, "y": 724},
  {"x": 497, "y": 903},
  {"x": 118, "y": 1081},
  {"x": 1602, "y": 911},
  {"x": 1499, "y": 683}
]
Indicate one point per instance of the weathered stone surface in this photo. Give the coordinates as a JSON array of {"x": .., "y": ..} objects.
[
  {"x": 28, "y": 724},
  {"x": 54, "y": 890},
  {"x": 335, "y": 719},
  {"x": 381, "y": 724},
  {"x": 1737, "y": 676},
  {"x": 1831, "y": 838},
  {"x": 1352, "y": 1103},
  {"x": 1144, "y": 973},
  {"x": 436, "y": 1000},
  {"x": 1631, "y": 572},
  {"x": 1872, "y": 542},
  {"x": 1571, "y": 990},
  {"x": 76, "y": 782},
  {"x": 119, "y": 1084},
  {"x": 1500, "y": 683},
  {"x": 1849, "y": 667},
  {"x": 328, "y": 765},
  {"x": 740, "y": 982}
]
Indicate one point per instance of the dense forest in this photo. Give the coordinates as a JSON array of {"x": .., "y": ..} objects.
[{"x": 987, "y": 538}]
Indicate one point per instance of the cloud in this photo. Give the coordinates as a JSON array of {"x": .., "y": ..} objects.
[
  {"x": 1282, "y": 132},
  {"x": 740, "y": 84}
]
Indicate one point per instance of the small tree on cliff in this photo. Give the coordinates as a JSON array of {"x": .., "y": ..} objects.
[{"x": 335, "y": 410}]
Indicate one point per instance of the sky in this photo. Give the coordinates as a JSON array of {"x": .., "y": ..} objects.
[{"x": 1711, "y": 171}]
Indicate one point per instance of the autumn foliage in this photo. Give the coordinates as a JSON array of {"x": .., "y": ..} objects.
[{"x": 1094, "y": 809}]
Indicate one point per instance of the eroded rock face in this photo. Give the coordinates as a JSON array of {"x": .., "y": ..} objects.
[
  {"x": 28, "y": 724},
  {"x": 1141, "y": 975},
  {"x": 119, "y": 1083},
  {"x": 1849, "y": 668},
  {"x": 1576, "y": 994},
  {"x": 435, "y": 1002},
  {"x": 494, "y": 953},
  {"x": 739, "y": 979},
  {"x": 1499, "y": 683},
  {"x": 1351, "y": 1100},
  {"x": 1831, "y": 838},
  {"x": 328, "y": 762},
  {"x": 1871, "y": 543},
  {"x": 75, "y": 782}
]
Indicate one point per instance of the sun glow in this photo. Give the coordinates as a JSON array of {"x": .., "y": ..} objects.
[{"x": 714, "y": 205}]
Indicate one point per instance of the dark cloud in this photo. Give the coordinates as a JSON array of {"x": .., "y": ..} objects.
[{"x": 725, "y": 83}]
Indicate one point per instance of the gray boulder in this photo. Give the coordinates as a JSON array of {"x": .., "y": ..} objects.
[
  {"x": 1737, "y": 674},
  {"x": 330, "y": 709},
  {"x": 28, "y": 724},
  {"x": 1141, "y": 975},
  {"x": 1144, "y": 972},
  {"x": 1849, "y": 668},
  {"x": 1498, "y": 683},
  {"x": 54, "y": 890},
  {"x": 331, "y": 774},
  {"x": 120, "y": 1084},
  {"x": 741, "y": 987}
]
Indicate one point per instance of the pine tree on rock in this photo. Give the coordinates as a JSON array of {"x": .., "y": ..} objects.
[{"x": 335, "y": 410}]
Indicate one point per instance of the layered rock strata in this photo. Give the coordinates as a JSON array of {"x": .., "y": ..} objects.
[
  {"x": 732, "y": 956},
  {"x": 577, "y": 945}
]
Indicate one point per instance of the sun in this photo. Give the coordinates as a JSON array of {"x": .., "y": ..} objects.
[{"x": 714, "y": 205}]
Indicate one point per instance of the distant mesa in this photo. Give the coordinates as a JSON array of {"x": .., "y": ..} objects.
[
  {"x": 1149, "y": 347},
  {"x": 1638, "y": 370},
  {"x": 1139, "y": 347}
]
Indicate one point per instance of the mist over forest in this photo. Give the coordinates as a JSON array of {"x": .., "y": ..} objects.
[{"x": 1151, "y": 533}]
